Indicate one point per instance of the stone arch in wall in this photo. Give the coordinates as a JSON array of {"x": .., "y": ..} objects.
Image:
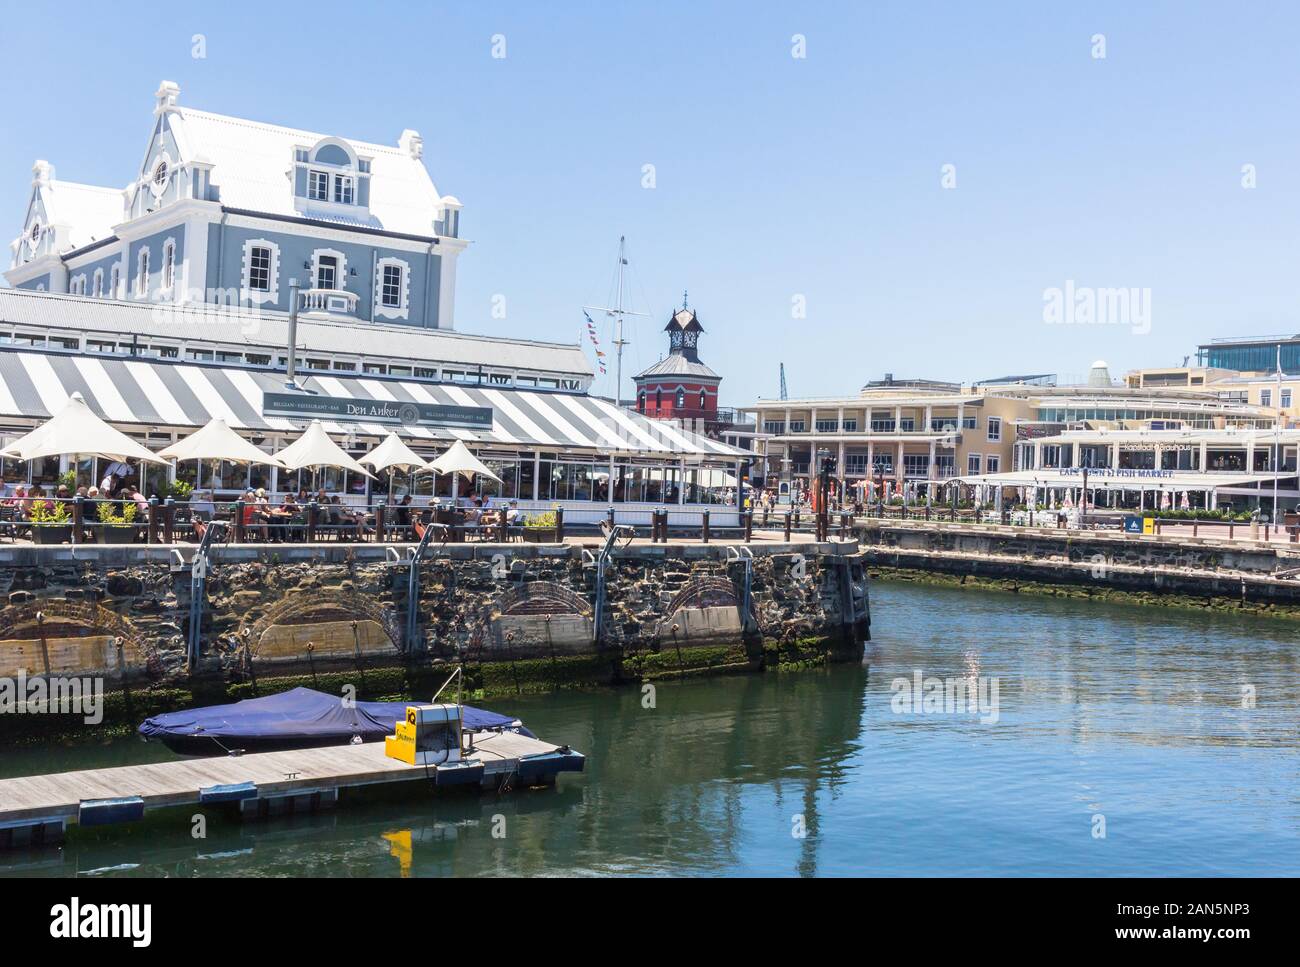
[
  {"x": 543, "y": 597},
  {"x": 61, "y": 637},
  {"x": 540, "y": 618},
  {"x": 707, "y": 607},
  {"x": 324, "y": 625}
]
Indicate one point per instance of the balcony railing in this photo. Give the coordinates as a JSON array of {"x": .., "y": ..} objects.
[{"x": 338, "y": 301}]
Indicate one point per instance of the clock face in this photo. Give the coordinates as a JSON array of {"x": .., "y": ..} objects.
[{"x": 690, "y": 338}]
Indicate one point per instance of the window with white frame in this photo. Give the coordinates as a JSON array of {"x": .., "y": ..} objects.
[
  {"x": 261, "y": 275},
  {"x": 972, "y": 463},
  {"x": 1286, "y": 399},
  {"x": 318, "y": 185},
  {"x": 114, "y": 282},
  {"x": 995, "y": 429},
  {"x": 392, "y": 286},
  {"x": 142, "y": 273},
  {"x": 98, "y": 290},
  {"x": 328, "y": 269},
  {"x": 992, "y": 463},
  {"x": 169, "y": 266},
  {"x": 1266, "y": 397},
  {"x": 78, "y": 285},
  {"x": 343, "y": 189}
]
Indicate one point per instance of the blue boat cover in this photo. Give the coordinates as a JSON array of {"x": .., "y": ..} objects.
[{"x": 299, "y": 714}]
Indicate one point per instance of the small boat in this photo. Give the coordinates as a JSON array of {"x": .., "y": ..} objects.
[{"x": 297, "y": 719}]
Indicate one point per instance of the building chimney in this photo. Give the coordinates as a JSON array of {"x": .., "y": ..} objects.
[
  {"x": 412, "y": 143},
  {"x": 167, "y": 95}
]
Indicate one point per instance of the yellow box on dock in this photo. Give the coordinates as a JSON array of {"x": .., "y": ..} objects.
[
  {"x": 430, "y": 735},
  {"x": 402, "y": 744},
  {"x": 1148, "y": 525}
]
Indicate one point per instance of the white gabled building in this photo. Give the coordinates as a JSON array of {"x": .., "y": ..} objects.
[{"x": 227, "y": 210}]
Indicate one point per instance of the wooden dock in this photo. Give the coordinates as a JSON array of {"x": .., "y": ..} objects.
[{"x": 37, "y": 809}]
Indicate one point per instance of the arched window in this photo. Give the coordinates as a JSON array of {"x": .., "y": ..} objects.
[
  {"x": 98, "y": 291},
  {"x": 640, "y": 403},
  {"x": 659, "y": 400},
  {"x": 681, "y": 399},
  {"x": 702, "y": 399},
  {"x": 114, "y": 281}
]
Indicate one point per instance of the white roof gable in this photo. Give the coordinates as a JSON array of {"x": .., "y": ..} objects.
[
  {"x": 87, "y": 212},
  {"x": 252, "y": 163}
]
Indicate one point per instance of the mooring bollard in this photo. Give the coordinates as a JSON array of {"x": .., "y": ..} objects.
[
  {"x": 381, "y": 531},
  {"x": 559, "y": 523},
  {"x": 749, "y": 526},
  {"x": 704, "y": 530},
  {"x": 787, "y": 526},
  {"x": 169, "y": 521},
  {"x": 311, "y": 522},
  {"x": 239, "y": 521},
  {"x": 77, "y": 517},
  {"x": 152, "y": 533}
]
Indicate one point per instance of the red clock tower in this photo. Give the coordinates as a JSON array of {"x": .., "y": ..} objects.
[{"x": 679, "y": 386}]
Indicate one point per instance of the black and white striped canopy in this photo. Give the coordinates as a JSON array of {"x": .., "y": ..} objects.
[{"x": 160, "y": 393}]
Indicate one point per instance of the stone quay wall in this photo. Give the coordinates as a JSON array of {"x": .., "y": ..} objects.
[
  {"x": 516, "y": 617},
  {"x": 1253, "y": 573}
]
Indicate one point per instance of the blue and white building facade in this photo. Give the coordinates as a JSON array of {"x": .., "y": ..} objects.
[{"x": 227, "y": 210}]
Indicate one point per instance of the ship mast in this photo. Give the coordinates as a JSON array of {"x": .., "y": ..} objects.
[{"x": 618, "y": 312}]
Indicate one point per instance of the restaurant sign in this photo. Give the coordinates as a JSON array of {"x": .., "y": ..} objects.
[
  {"x": 376, "y": 411},
  {"x": 1113, "y": 472}
]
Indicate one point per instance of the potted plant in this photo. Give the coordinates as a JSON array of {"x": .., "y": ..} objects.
[
  {"x": 50, "y": 526},
  {"x": 119, "y": 528},
  {"x": 540, "y": 528}
]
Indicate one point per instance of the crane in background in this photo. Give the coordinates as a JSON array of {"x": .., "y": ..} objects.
[{"x": 784, "y": 394}]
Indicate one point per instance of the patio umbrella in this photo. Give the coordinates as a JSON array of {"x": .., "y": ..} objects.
[
  {"x": 392, "y": 454},
  {"x": 218, "y": 442},
  {"x": 1187, "y": 503},
  {"x": 458, "y": 459},
  {"x": 77, "y": 431},
  {"x": 315, "y": 449},
  {"x": 215, "y": 442}
]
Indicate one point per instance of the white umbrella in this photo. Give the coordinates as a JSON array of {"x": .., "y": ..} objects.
[
  {"x": 76, "y": 431},
  {"x": 458, "y": 459},
  {"x": 217, "y": 442},
  {"x": 315, "y": 449},
  {"x": 1187, "y": 503},
  {"x": 393, "y": 454}
]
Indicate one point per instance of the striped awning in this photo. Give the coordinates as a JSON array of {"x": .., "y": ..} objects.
[{"x": 160, "y": 393}]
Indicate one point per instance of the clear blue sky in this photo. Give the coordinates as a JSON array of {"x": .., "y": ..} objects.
[{"x": 775, "y": 177}]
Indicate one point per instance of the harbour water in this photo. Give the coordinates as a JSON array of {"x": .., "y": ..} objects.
[{"x": 1124, "y": 744}]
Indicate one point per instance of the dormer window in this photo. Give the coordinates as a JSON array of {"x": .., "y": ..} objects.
[
  {"x": 318, "y": 186},
  {"x": 36, "y": 234},
  {"x": 160, "y": 174},
  {"x": 343, "y": 189}
]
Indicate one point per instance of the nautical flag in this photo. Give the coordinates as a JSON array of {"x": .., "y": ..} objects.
[{"x": 591, "y": 334}]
